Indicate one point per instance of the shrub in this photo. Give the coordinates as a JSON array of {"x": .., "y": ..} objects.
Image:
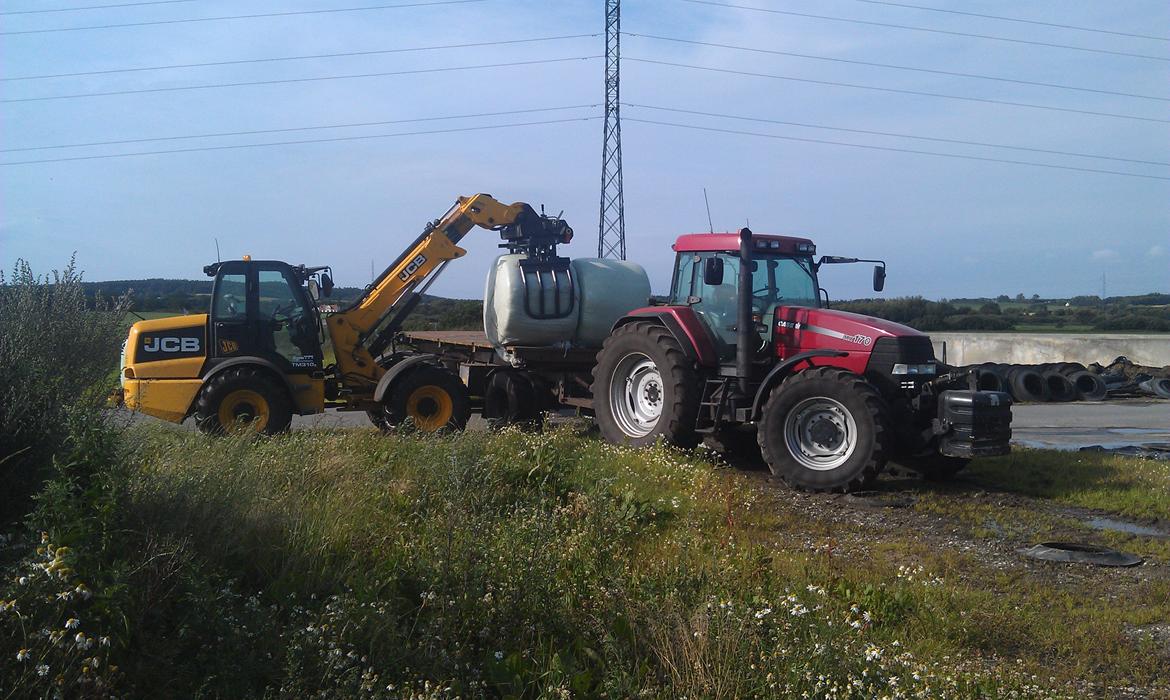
[{"x": 57, "y": 357}]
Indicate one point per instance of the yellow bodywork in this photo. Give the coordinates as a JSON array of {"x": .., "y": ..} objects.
[
  {"x": 162, "y": 388},
  {"x": 169, "y": 399}
]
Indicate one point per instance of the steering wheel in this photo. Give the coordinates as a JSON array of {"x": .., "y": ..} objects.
[{"x": 286, "y": 311}]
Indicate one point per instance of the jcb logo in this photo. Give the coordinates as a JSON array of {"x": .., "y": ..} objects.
[
  {"x": 170, "y": 344},
  {"x": 412, "y": 267}
]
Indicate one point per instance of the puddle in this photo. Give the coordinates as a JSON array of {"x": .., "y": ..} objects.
[{"x": 1122, "y": 526}]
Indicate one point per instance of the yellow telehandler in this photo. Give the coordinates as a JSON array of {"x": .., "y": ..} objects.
[{"x": 256, "y": 357}]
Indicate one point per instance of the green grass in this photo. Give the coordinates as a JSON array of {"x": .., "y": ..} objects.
[
  {"x": 1134, "y": 488},
  {"x": 526, "y": 565}
]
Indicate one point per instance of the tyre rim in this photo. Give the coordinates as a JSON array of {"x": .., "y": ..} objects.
[
  {"x": 821, "y": 433},
  {"x": 429, "y": 407},
  {"x": 636, "y": 395},
  {"x": 243, "y": 409}
]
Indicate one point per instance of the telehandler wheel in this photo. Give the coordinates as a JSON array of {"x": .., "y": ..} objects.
[
  {"x": 644, "y": 388},
  {"x": 432, "y": 398},
  {"x": 824, "y": 429},
  {"x": 243, "y": 399}
]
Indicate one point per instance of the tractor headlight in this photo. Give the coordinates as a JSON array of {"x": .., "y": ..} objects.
[{"x": 927, "y": 368}]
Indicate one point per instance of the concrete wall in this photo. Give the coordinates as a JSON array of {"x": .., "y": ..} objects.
[{"x": 1036, "y": 348}]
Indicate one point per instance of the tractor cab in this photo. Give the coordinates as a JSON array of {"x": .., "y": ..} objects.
[
  {"x": 706, "y": 278},
  {"x": 266, "y": 309}
]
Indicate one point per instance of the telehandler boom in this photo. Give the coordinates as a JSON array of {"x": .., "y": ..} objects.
[{"x": 256, "y": 357}]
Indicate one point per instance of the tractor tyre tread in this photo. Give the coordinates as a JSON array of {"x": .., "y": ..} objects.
[
  {"x": 676, "y": 425},
  {"x": 875, "y": 462}
]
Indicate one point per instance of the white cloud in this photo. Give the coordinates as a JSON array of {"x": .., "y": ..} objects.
[
  {"x": 1156, "y": 251},
  {"x": 1105, "y": 254}
]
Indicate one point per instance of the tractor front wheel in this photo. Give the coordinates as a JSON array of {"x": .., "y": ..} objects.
[{"x": 824, "y": 429}]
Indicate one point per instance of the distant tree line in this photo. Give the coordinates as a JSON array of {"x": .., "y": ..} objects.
[
  {"x": 1112, "y": 314},
  {"x": 1147, "y": 312}
]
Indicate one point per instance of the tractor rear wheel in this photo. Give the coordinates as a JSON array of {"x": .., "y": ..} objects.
[
  {"x": 644, "y": 388},
  {"x": 243, "y": 399},
  {"x": 432, "y": 398},
  {"x": 824, "y": 429}
]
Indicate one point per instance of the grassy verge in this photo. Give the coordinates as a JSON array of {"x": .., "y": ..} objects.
[{"x": 352, "y": 564}]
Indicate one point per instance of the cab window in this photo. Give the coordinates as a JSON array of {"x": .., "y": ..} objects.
[
  {"x": 286, "y": 327},
  {"x": 231, "y": 298}
]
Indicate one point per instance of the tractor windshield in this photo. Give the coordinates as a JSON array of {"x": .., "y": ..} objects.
[{"x": 776, "y": 280}]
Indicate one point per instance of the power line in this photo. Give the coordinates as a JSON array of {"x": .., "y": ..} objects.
[
  {"x": 255, "y": 132},
  {"x": 1015, "y": 19},
  {"x": 898, "y": 150},
  {"x": 897, "y": 135},
  {"x": 897, "y": 67},
  {"x": 297, "y": 142},
  {"x": 928, "y": 29},
  {"x": 306, "y": 57},
  {"x": 256, "y": 16},
  {"x": 900, "y": 91},
  {"x": 93, "y": 7},
  {"x": 297, "y": 80}
]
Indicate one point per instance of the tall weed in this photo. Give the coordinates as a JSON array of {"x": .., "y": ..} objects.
[{"x": 57, "y": 356}]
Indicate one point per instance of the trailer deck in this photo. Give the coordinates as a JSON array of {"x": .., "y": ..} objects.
[{"x": 472, "y": 347}]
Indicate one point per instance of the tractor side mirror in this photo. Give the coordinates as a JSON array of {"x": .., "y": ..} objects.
[
  {"x": 879, "y": 277},
  {"x": 326, "y": 284},
  {"x": 713, "y": 271},
  {"x": 314, "y": 290}
]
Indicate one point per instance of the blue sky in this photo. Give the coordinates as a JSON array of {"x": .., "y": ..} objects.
[{"x": 948, "y": 227}]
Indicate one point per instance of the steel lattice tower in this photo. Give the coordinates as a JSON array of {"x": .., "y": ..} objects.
[{"x": 611, "y": 233}]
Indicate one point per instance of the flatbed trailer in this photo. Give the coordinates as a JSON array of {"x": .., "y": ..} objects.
[{"x": 515, "y": 383}]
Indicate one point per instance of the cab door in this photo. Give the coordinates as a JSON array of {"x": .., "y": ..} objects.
[
  {"x": 231, "y": 328},
  {"x": 286, "y": 327}
]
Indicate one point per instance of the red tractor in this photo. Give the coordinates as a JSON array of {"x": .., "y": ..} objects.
[{"x": 745, "y": 348}]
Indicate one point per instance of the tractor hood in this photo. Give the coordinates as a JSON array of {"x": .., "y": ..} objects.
[{"x": 799, "y": 329}]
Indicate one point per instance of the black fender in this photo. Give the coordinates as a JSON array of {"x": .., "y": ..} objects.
[
  {"x": 251, "y": 360},
  {"x": 781, "y": 371},
  {"x": 397, "y": 369},
  {"x": 254, "y": 361}
]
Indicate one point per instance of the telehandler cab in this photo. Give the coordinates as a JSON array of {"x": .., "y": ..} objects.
[{"x": 256, "y": 357}]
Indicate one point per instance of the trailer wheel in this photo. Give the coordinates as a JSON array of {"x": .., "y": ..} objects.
[
  {"x": 242, "y": 399},
  {"x": 644, "y": 388},
  {"x": 510, "y": 399},
  {"x": 431, "y": 397},
  {"x": 824, "y": 429}
]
